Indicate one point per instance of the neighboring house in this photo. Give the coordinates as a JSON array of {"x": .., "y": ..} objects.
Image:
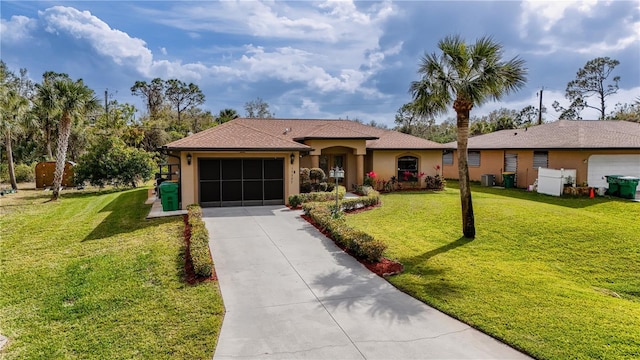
[
  {"x": 593, "y": 148},
  {"x": 258, "y": 161}
]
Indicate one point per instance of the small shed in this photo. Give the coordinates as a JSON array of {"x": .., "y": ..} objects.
[{"x": 45, "y": 171}]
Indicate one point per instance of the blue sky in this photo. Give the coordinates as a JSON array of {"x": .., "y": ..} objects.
[{"x": 320, "y": 59}]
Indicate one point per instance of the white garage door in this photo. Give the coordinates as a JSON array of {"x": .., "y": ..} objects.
[{"x": 601, "y": 165}]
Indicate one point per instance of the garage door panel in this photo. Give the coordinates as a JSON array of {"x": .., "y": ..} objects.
[
  {"x": 231, "y": 169},
  {"x": 601, "y": 165},
  {"x": 273, "y": 169},
  {"x": 209, "y": 169},
  {"x": 252, "y": 169},
  {"x": 210, "y": 191},
  {"x": 241, "y": 182},
  {"x": 252, "y": 190}
]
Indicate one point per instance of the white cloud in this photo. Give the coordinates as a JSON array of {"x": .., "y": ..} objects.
[
  {"x": 17, "y": 29},
  {"x": 163, "y": 51}
]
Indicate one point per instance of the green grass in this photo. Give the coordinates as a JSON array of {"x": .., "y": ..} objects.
[
  {"x": 556, "y": 277},
  {"x": 88, "y": 277}
]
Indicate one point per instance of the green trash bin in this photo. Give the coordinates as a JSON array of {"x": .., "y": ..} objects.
[
  {"x": 169, "y": 196},
  {"x": 627, "y": 186},
  {"x": 614, "y": 185},
  {"x": 509, "y": 179}
]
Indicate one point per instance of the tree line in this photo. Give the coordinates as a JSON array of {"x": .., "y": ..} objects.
[
  {"x": 590, "y": 89},
  {"x": 60, "y": 118}
]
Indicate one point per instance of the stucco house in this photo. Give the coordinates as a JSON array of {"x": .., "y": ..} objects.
[
  {"x": 593, "y": 148},
  {"x": 257, "y": 161}
]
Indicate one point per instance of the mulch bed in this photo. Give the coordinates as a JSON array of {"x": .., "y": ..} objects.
[
  {"x": 190, "y": 275},
  {"x": 382, "y": 268}
]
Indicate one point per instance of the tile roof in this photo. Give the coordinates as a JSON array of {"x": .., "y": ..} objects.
[
  {"x": 284, "y": 134},
  {"x": 562, "y": 134}
]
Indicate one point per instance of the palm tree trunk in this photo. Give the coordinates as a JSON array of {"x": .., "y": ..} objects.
[
  {"x": 462, "y": 109},
  {"x": 61, "y": 154},
  {"x": 12, "y": 171}
]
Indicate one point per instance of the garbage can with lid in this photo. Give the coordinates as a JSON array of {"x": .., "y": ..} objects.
[
  {"x": 509, "y": 179},
  {"x": 614, "y": 186},
  {"x": 169, "y": 196},
  {"x": 627, "y": 186}
]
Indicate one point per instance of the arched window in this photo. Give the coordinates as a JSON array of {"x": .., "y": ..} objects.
[{"x": 408, "y": 168}]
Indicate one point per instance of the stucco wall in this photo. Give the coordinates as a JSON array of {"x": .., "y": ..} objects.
[
  {"x": 385, "y": 162},
  {"x": 189, "y": 173},
  {"x": 492, "y": 162}
]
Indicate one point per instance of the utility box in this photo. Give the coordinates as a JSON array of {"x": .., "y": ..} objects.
[{"x": 488, "y": 180}]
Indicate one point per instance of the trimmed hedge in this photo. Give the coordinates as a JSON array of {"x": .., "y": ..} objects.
[
  {"x": 299, "y": 199},
  {"x": 358, "y": 243},
  {"x": 199, "y": 243}
]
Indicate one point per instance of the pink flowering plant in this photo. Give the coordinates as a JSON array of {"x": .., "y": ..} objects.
[{"x": 370, "y": 179}]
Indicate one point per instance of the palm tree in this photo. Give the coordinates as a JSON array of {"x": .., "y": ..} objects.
[
  {"x": 13, "y": 108},
  {"x": 465, "y": 75},
  {"x": 227, "y": 115},
  {"x": 73, "y": 100}
]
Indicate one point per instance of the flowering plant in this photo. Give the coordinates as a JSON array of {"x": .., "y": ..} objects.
[{"x": 369, "y": 179}]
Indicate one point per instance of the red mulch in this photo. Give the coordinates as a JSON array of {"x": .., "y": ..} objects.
[
  {"x": 190, "y": 274},
  {"x": 382, "y": 268}
]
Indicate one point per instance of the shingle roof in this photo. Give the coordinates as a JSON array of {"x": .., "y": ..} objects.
[
  {"x": 283, "y": 134},
  {"x": 562, "y": 134}
]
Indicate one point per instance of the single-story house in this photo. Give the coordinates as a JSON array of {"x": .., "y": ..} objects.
[
  {"x": 593, "y": 148},
  {"x": 257, "y": 161}
]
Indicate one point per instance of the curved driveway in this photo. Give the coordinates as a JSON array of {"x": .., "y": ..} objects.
[{"x": 290, "y": 293}]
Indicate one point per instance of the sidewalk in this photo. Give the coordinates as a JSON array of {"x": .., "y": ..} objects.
[{"x": 290, "y": 293}]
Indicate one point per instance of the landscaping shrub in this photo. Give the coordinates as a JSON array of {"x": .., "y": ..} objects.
[
  {"x": 358, "y": 243},
  {"x": 435, "y": 183},
  {"x": 199, "y": 243},
  {"x": 25, "y": 173},
  {"x": 298, "y": 199}
]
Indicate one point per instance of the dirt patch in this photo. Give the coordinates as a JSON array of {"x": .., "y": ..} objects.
[{"x": 190, "y": 275}]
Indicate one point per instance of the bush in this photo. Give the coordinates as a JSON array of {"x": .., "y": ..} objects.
[
  {"x": 317, "y": 175},
  {"x": 435, "y": 183},
  {"x": 199, "y": 242},
  {"x": 298, "y": 199},
  {"x": 25, "y": 173},
  {"x": 358, "y": 243}
]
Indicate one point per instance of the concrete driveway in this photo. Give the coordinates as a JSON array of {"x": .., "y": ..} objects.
[{"x": 290, "y": 293}]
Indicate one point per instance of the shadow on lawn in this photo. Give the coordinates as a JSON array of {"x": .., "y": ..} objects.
[
  {"x": 353, "y": 287},
  {"x": 127, "y": 213}
]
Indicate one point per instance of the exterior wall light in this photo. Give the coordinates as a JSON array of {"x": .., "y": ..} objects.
[{"x": 189, "y": 157}]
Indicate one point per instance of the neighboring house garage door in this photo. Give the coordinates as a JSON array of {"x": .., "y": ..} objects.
[
  {"x": 241, "y": 182},
  {"x": 601, "y": 165}
]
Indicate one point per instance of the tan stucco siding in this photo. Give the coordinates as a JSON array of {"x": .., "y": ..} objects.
[
  {"x": 385, "y": 162},
  {"x": 189, "y": 174},
  {"x": 359, "y": 146},
  {"x": 492, "y": 162}
]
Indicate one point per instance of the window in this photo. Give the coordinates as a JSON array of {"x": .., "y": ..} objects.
[
  {"x": 408, "y": 168},
  {"x": 447, "y": 157},
  {"x": 540, "y": 159},
  {"x": 473, "y": 158}
]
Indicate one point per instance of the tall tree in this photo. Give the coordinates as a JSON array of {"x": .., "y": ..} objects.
[
  {"x": 183, "y": 96},
  {"x": 407, "y": 119},
  {"x": 152, "y": 94},
  {"x": 258, "y": 108},
  {"x": 45, "y": 109},
  {"x": 590, "y": 80},
  {"x": 73, "y": 99},
  {"x": 465, "y": 75},
  {"x": 13, "y": 110}
]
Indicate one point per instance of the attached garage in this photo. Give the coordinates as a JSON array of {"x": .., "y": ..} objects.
[
  {"x": 241, "y": 181},
  {"x": 615, "y": 164}
]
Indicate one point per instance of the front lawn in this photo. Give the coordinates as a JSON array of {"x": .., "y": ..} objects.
[
  {"x": 88, "y": 277},
  {"x": 556, "y": 277}
]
